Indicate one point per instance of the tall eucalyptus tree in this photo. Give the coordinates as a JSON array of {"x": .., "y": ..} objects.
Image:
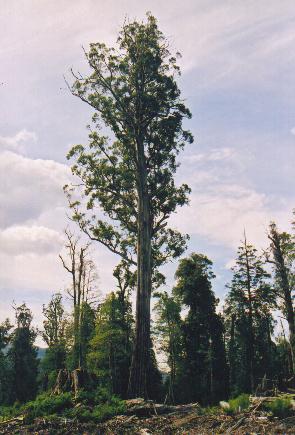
[{"x": 130, "y": 174}]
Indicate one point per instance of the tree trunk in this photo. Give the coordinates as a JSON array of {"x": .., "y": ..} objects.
[
  {"x": 140, "y": 358},
  {"x": 287, "y": 292},
  {"x": 290, "y": 315}
]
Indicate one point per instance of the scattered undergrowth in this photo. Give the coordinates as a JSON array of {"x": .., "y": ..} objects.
[
  {"x": 280, "y": 407},
  {"x": 87, "y": 407},
  {"x": 98, "y": 406},
  {"x": 238, "y": 404}
]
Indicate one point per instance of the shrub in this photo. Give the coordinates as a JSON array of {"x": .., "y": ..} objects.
[
  {"x": 46, "y": 404},
  {"x": 107, "y": 410},
  {"x": 280, "y": 407},
  {"x": 98, "y": 413},
  {"x": 238, "y": 404}
]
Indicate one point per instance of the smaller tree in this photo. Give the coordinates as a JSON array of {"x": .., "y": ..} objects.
[
  {"x": 23, "y": 356},
  {"x": 54, "y": 323},
  {"x": 169, "y": 330},
  {"x": 83, "y": 291},
  {"x": 249, "y": 320},
  {"x": 5, "y": 372},
  {"x": 54, "y": 336},
  {"x": 204, "y": 368},
  {"x": 81, "y": 346},
  {"x": 282, "y": 256},
  {"x": 109, "y": 357}
]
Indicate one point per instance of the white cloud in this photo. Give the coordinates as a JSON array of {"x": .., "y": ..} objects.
[
  {"x": 214, "y": 155},
  {"x": 19, "y": 141},
  {"x": 222, "y": 211},
  {"x": 18, "y": 240},
  {"x": 28, "y": 187},
  {"x": 31, "y": 272}
]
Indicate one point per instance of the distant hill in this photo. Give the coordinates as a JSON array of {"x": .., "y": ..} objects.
[{"x": 40, "y": 351}]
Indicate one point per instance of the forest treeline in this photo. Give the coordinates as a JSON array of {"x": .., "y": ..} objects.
[
  {"x": 205, "y": 353},
  {"x": 122, "y": 197}
]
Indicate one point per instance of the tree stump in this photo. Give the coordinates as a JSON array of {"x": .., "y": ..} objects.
[{"x": 63, "y": 382}]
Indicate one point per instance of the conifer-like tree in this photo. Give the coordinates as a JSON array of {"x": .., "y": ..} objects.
[
  {"x": 23, "y": 356},
  {"x": 249, "y": 320},
  {"x": 204, "y": 364},
  {"x": 130, "y": 174}
]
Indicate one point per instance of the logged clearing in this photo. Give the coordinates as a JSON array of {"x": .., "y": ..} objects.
[{"x": 146, "y": 418}]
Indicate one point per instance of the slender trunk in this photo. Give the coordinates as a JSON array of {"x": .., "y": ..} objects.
[
  {"x": 289, "y": 311},
  {"x": 251, "y": 333},
  {"x": 232, "y": 356},
  {"x": 141, "y": 352}
]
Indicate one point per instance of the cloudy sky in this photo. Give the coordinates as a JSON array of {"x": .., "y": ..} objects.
[{"x": 238, "y": 63}]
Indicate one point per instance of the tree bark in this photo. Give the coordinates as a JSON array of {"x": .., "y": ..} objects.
[{"x": 140, "y": 359}]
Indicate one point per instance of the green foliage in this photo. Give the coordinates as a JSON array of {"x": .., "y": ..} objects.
[
  {"x": 238, "y": 404},
  {"x": 280, "y": 407}
]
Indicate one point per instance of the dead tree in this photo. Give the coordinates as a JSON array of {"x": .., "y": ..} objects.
[
  {"x": 282, "y": 250},
  {"x": 78, "y": 263}
]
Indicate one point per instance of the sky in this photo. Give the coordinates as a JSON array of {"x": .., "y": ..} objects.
[{"x": 238, "y": 63}]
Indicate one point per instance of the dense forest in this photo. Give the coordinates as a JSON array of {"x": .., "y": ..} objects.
[{"x": 173, "y": 345}]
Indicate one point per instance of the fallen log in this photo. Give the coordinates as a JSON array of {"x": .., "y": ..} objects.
[
  {"x": 235, "y": 426},
  {"x": 18, "y": 419}
]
